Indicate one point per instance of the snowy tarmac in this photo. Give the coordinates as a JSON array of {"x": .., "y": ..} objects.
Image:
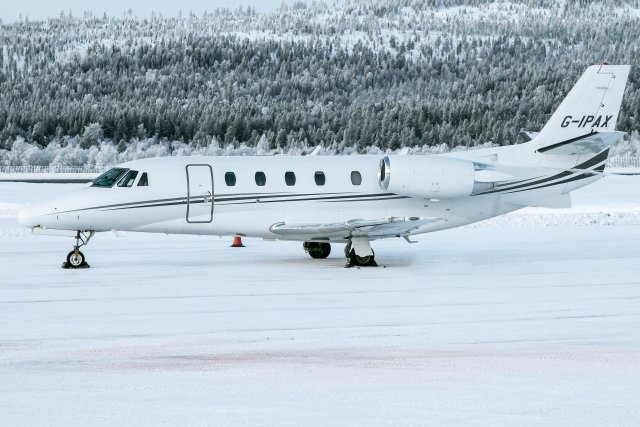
[{"x": 529, "y": 319}]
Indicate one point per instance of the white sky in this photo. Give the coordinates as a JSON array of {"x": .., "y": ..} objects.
[{"x": 41, "y": 9}]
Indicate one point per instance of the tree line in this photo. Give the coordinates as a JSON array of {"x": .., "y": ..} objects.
[{"x": 350, "y": 74}]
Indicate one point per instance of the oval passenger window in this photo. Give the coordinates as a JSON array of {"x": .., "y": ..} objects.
[
  {"x": 261, "y": 179},
  {"x": 230, "y": 179},
  {"x": 356, "y": 178},
  {"x": 290, "y": 178},
  {"x": 319, "y": 177}
]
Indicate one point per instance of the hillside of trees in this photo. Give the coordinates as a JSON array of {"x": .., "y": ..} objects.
[{"x": 350, "y": 76}]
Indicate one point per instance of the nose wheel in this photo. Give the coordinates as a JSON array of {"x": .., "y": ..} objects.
[{"x": 75, "y": 258}]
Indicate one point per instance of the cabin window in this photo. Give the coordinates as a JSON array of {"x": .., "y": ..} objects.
[
  {"x": 261, "y": 179},
  {"x": 109, "y": 178},
  {"x": 230, "y": 179},
  {"x": 128, "y": 179},
  {"x": 356, "y": 178},
  {"x": 319, "y": 177},
  {"x": 290, "y": 178},
  {"x": 144, "y": 180}
]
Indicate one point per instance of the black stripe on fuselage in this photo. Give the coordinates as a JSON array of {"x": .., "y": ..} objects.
[
  {"x": 224, "y": 201},
  {"x": 122, "y": 204},
  {"x": 317, "y": 200},
  {"x": 527, "y": 185},
  {"x": 349, "y": 198},
  {"x": 508, "y": 183},
  {"x": 246, "y": 196},
  {"x": 598, "y": 158},
  {"x": 249, "y": 196},
  {"x": 574, "y": 178},
  {"x": 180, "y": 200}
]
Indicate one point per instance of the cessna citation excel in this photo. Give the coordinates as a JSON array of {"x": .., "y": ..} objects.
[{"x": 352, "y": 200}]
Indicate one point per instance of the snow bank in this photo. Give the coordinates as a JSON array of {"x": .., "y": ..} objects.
[
  {"x": 9, "y": 210},
  {"x": 538, "y": 217}
]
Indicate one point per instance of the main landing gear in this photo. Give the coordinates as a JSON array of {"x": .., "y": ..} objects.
[
  {"x": 75, "y": 258},
  {"x": 359, "y": 253},
  {"x": 318, "y": 250}
]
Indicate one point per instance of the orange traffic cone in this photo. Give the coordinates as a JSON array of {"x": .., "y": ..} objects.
[{"x": 237, "y": 242}]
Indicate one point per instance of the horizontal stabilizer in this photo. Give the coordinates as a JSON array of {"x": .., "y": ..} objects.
[{"x": 589, "y": 143}]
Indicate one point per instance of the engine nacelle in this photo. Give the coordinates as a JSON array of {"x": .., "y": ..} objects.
[{"x": 429, "y": 177}]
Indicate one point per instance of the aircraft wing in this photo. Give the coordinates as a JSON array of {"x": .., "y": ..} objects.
[{"x": 374, "y": 229}]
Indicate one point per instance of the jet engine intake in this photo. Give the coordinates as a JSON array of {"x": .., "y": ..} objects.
[{"x": 429, "y": 177}]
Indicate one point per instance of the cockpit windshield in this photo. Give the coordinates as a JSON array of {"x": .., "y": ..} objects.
[
  {"x": 128, "y": 179},
  {"x": 108, "y": 178}
]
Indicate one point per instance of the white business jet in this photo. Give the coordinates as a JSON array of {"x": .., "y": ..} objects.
[{"x": 321, "y": 200}]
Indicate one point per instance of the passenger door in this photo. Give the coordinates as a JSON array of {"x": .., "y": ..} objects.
[{"x": 199, "y": 193}]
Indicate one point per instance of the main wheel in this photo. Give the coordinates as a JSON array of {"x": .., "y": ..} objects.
[
  {"x": 75, "y": 260},
  {"x": 317, "y": 250},
  {"x": 362, "y": 261}
]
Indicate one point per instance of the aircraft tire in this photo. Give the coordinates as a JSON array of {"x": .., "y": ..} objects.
[
  {"x": 317, "y": 250},
  {"x": 75, "y": 261},
  {"x": 365, "y": 261}
]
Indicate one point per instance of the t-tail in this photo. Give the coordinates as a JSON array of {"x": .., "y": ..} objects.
[
  {"x": 570, "y": 151},
  {"x": 584, "y": 123}
]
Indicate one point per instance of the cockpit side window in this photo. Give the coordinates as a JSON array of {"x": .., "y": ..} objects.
[
  {"x": 144, "y": 180},
  {"x": 109, "y": 178},
  {"x": 128, "y": 179}
]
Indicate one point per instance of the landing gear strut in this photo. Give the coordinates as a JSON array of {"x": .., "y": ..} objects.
[
  {"x": 359, "y": 253},
  {"x": 317, "y": 250},
  {"x": 75, "y": 258}
]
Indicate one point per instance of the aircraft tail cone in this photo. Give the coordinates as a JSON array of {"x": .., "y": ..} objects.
[{"x": 237, "y": 242}]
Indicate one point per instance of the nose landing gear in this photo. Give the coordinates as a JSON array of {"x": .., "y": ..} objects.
[{"x": 75, "y": 258}]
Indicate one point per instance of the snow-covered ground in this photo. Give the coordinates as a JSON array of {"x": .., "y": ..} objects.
[{"x": 522, "y": 320}]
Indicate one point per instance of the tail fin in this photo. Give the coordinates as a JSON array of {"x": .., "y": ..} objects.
[{"x": 591, "y": 106}]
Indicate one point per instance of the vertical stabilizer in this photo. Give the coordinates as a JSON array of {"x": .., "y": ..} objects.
[{"x": 591, "y": 106}]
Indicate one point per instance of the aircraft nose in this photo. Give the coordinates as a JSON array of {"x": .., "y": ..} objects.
[{"x": 26, "y": 216}]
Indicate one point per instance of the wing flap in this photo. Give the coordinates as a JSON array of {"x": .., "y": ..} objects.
[{"x": 376, "y": 228}]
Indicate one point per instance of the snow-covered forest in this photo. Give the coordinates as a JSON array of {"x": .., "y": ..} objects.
[{"x": 349, "y": 76}]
